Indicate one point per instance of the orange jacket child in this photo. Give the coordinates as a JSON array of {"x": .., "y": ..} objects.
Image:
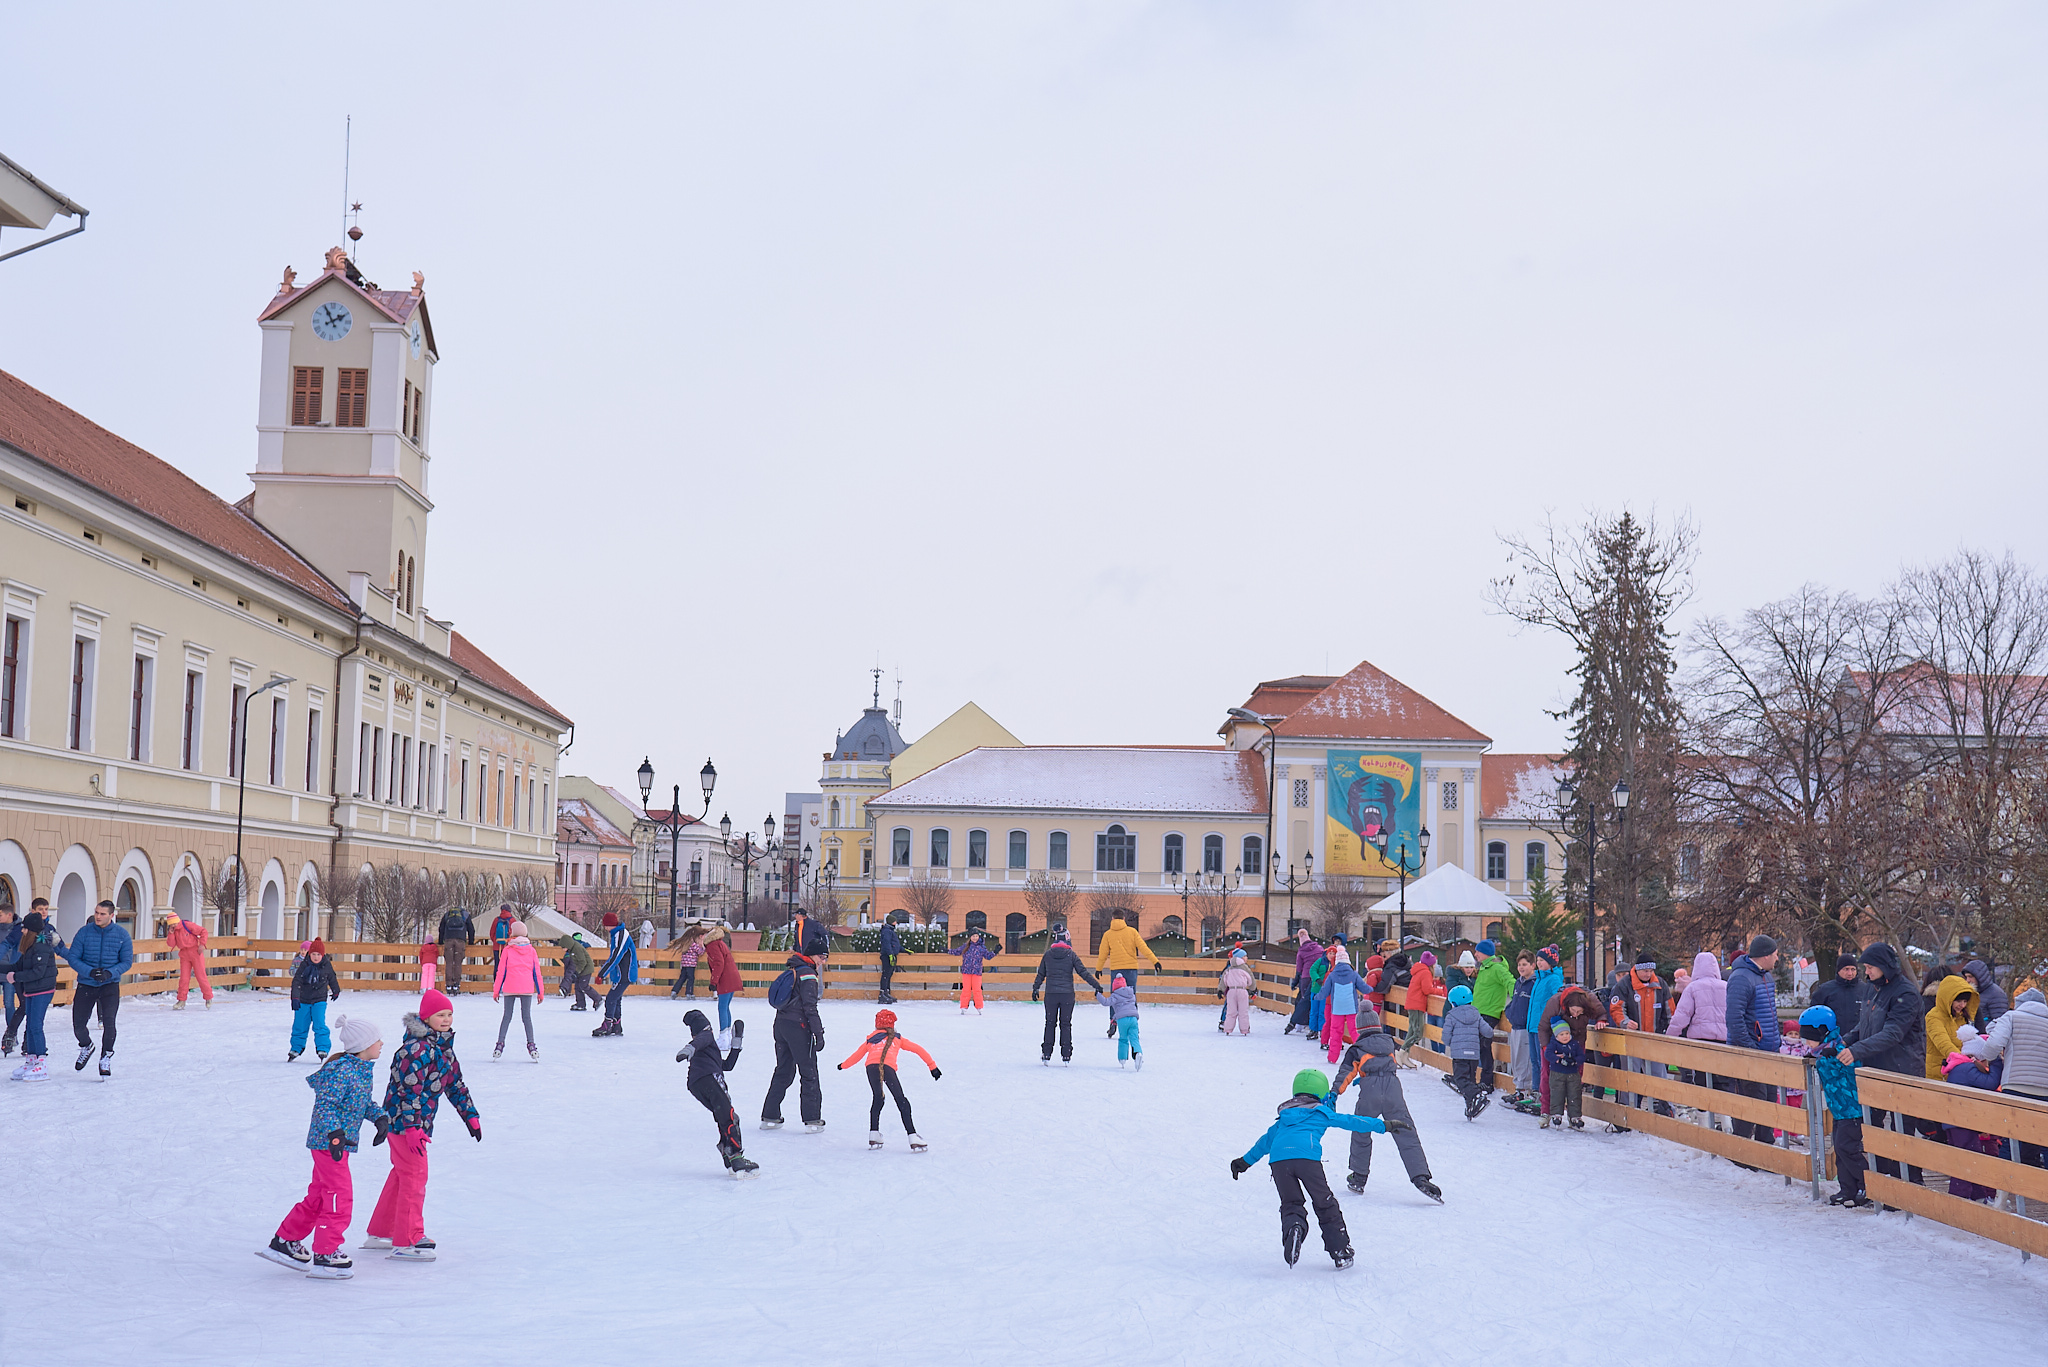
[{"x": 879, "y": 1052}]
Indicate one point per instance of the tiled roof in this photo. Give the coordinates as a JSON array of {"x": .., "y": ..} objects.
[
  {"x": 1283, "y": 697},
  {"x": 397, "y": 305},
  {"x": 587, "y": 825},
  {"x": 1115, "y": 780},
  {"x": 73, "y": 444},
  {"x": 1923, "y": 701},
  {"x": 1519, "y": 787},
  {"x": 1371, "y": 704},
  {"x": 487, "y": 671}
]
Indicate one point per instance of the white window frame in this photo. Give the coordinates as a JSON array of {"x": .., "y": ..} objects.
[{"x": 20, "y": 604}]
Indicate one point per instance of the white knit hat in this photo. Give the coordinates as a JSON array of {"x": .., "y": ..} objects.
[{"x": 355, "y": 1034}]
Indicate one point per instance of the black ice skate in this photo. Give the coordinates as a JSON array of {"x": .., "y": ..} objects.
[
  {"x": 332, "y": 1267},
  {"x": 1342, "y": 1257},
  {"x": 1429, "y": 1189},
  {"x": 286, "y": 1253},
  {"x": 1356, "y": 1182},
  {"x": 1290, "y": 1243},
  {"x": 1477, "y": 1104}
]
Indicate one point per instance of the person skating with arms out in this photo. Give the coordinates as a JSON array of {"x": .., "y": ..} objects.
[
  {"x": 423, "y": 1070},
  {"x": 1293, "y": 1148},
  {"x": 341, "y": 1103},
  {"x": 1057, "y": 968},
  {"x": 880, "y": 1052},
  {"x": 706, "y": 1082},
  {"x": 1370, "y": 1068}
]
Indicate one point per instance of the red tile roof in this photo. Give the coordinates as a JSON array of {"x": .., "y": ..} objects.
[
  {"x": 67, "y": 441},
  {"x": 1284, "y": 697},
  {"x": 1371, "y": 704},
  {"x": 397, "y": 305},
  {"x": 485, "y": 670},
  {"x": 1519, "y": 787}
]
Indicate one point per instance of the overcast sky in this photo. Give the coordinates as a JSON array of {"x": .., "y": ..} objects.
[{"x": 1088, "y": 361}]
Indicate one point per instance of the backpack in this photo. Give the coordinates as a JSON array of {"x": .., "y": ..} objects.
[{"x": 782, "y": 989}]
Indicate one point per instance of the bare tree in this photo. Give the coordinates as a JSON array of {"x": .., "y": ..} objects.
[
  {"x": 527, "y": 892},
  {"x": 427, "y": 895},
  {"x": 384, "y": 900},
  {"x": 620, "y": 902},
  {"x": 927, "y": 899},
  {"x": 1051, "y": 899},
  {"x": 224, "y": 896},
  {"x": 1611, "y": 587},
  {"x": 1212, "y": 903},
  {"x": 335, "y": 891},
  {"x": 1440, "y": 929},
  {"x": 1336, "y": 904}
]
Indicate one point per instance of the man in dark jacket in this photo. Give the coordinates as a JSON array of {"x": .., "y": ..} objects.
[
  {"x": 1991, "y": 999},
  {"x": 1753, "y": 1021},
  {"x": 576, "y": 970},
  {"x": 891, "y": 946},
  {"x": 1845, "y": 993},
  {"x": 101, "y": 954},
  {"x": 1890, "y": 1033},
  {"x": 458, "y": 932},
  {"x": 799, "y": 1039},
  {"x": 1056, "y": 970}
]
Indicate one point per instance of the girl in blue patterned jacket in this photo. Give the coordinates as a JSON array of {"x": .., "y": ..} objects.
[{"x": 341, "y": 1103}]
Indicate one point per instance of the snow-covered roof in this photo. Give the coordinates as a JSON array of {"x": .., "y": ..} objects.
[
  {"x": 1072, "y": 778},
  {"x": 1371, "y": 704},
  {"x": 1450, "y": 891},
  {"x": 1519, "y": 787}
]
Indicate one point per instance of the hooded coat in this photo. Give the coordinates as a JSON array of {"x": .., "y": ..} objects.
[
  {"x": 2020, "y": 1037},
  {"x": 1942, "y": 1023},
  {"x": 1465, "y": 1031},
  {"x": 1123, "y": 1001},
  {"x": 624, "y": 964},
  {"x": 1492, "y": 986},
  {"x": 314, "y": 983},
  {"x": 1342, "y": 988},
  {"x": 725, "y": 974},
  {"x": 1422, "y": 985},
  {"x": 341, "y": 1100},
  {"x": 35, "y": 971},
  {"x": 1559, "y": 1008},
  {"x": 423, "y": 1070},
  {"x": 1057, "y": 968},
  {"x": 1752, "y": 1007},
  {"x": 1991, "y": 998},
  {"x": 1890, "y": 1032},
  {"x": 575, "y": 955},
  {"x": 519, "y": 971},
  {"x": 1845, "y": 999},
  {"x": 1547, "y": 984},
  {"x": 1305, "y": 954},
  {"x": 1123, "y": 947},
  {"x": 1703, "y": 1010}
]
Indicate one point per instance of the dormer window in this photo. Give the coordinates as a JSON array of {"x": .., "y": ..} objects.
[{"x": 307, "y": 381}]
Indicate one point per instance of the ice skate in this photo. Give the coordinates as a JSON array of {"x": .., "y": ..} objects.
[
  {"x": 1138, "y": 1062},
  {"x": 6, "y": 1044},
  {"x": 533, "y": 1052},
  {"x": 1356, "y": 1182},
  {"x": 918, "y": 1145},
  {"x": 84, "y": 1057},
  {"x": 1477, "y": 1104},
  {"x": 320, "y": 1054},
  {"x": 1578, "y": 1123},
  {"x": 38, "y": 1069},
  {"x": 331, "y": 1267},
  {"x": 874, "y": 1139},
  {"x": 1429, "y": 1188},
  {"x": 209, "y": 1003},
  {"x": 106, "y": 1065},
  {"x": 814, "y": 1126},
  {"x": 293, "y": 1056},
  {"x": 1290, "y": 1243},
  {"x": 1120, "y": 1065},
  {"x": 741, "y": 1166},
  {"x": 1616, "y": 1129},
  {"x": 1342, "y": 1258},
  {"x": 1543, "y": 1123},
  {"x": 1450, "y": 1082},
  {"x": 768, "y": 1124},
  {"x": 177, "y": 1006},
  {"x": 421, "y": 1252},
  {"x": 375, "y": 1241},
  {"x": 21, "y": 1069},
  {"x": 286, "y": 1253},
  {"x": 579, "y": 1006},
  {"x": 1044, "y": 1061},
  {"x": 498, "y": 1052}
]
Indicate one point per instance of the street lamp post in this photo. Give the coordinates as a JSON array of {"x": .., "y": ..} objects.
[
  {"x": 1567, "y": 795},
  {"x": 1292, "y": 883},
  {"x": 707, "y": 778},
  {"x": 242, "y": 797},
  {"x": 1272, "y": 778},
  {"x": 803, "y": 870},
  {"x": 749, "y": 854},
  {"x": 1400, "y": 863}
]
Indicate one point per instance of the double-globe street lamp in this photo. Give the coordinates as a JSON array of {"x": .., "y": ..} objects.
[
  {"x": 801, "y": 872},
  {"x": 1567, "y": 797},
  {"x": 748, "y": 853},
  {"x": 707, "y": 778},
  {"x": 1399, "y": 859},
  {"x": 1291, "y": 883}
]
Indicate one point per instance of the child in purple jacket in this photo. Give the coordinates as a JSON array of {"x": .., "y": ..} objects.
[{"x": 973, "y": 955}]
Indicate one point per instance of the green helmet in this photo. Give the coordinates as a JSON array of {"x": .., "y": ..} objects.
[{"x": 1311, "y": 1082}]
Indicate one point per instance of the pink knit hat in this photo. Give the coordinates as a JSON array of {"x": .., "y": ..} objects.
[{"x": 434, "y": 1001}]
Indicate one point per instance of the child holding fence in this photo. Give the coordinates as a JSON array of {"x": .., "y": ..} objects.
[
  {"x": 1563, "y": 1057},
  {"x": 1838, "y": 1085},
  {"x": 341, "y": 1103},
  {"x": 880, "y": 1051}
]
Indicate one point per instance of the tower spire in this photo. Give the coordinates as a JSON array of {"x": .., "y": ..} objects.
[{"x": 877, "y": 672}]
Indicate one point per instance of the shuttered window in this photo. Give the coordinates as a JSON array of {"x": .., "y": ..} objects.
[
  {"x": 405, "y": 412},
  {"x": 418, "y": 400},
  {"x": 351, "y": 398},
  {"x": 306, "y": 383}
]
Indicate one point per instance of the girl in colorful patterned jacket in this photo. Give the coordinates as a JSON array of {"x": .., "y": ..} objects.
[
  {"x": 880, "y": 1052},
  {"x": 341, "y": 1103},
  {"x": 423, "y": 1070},
  {"x": 973, "y": 955}
]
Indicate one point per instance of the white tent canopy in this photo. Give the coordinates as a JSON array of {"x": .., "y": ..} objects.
[{"x": 1450, "y": 891}]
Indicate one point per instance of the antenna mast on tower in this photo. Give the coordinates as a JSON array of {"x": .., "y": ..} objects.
[{"x": 899, "y": 699}]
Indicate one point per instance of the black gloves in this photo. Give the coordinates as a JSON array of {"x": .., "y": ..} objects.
[
  {"x": 935, "y": 1075},
  {"x": 1238, "y": 1168},
  {"x": 383, "y": 1129},
  {"x": 1398, "y": 1126},
  {"x": 476, "y": 1131},
  {"x": 1034, "y": 994},
  {"x": 99, "y": 975},
  {"x": 841, "y": 1067},
  {"x": 739, "y": 1032},
  {"x": 683, "y": 1054},
  {"x": 817, "y": 1044},
  {"x": 337, "y": 1145}
]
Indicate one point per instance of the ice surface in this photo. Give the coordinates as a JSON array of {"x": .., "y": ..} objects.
[{"x": 1076, "y": 1215}]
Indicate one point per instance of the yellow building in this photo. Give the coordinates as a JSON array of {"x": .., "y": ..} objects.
[{"x": 173, "y": 662}]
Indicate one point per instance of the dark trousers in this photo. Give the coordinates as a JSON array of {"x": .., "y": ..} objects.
[
  {"x": 686, "y": 983},
  {"x": 1465, "y": 1076},
  {"x": 1748, "y": 1129},
  {"x": 1889, "y": 1167},
  {"x": 105, "y": 999},
  {"x": 579, "y": 985},
  {"x": 878, "y": 1078},
  {"x": 1566, "y": 1093},
  {"x": 1302, "y": 1184},
  {"x": 1486, "y": 1051},
  {"x": 1301, "y": 1007},
  {"x": 794, "y": 1058},
  {"x": 451, "y": 965},
  {"x": 612, "y": 1000},
  {"x": 711, "y": 1092},
  {"x": 1059, "y": 1012},
  {"x": 888, "y": 972},
  {"x": 1850, "y": 1164}
]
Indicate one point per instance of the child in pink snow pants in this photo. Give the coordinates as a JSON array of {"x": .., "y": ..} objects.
[
  {"x": 341, "y": 1103},
  {"x": 423, "y": 1070},
  {"x": 1236, "y": 983}
]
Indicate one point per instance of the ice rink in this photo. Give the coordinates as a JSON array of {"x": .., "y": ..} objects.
[{"x": 1064, "y": 1215}]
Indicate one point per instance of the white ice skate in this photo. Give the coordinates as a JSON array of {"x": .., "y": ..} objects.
[
  {"x": 177, "y": 1006},
  {"x": 38, "y": 1069},
  {"x": 22, "y": 1071},
  {"x": 918, "y": 1145},
  {"x": 375, "y": 1241},
  {"x": 84, "y": 1057},
  {"x": 814, "y": 1127},
  {"x": 332, "y": 1267},
  {"x": 874, "y": 1139},
  {"x": 1138, "y": 1062},
  {"x": 413, "y": 1253},
  {"x": 106, "y": 1066},
  {"x": 767, "y": 1124}
]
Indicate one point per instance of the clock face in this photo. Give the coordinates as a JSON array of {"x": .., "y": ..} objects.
[
  {"x": 417, "y": 339},
  {"x": 331, "y": 321}
]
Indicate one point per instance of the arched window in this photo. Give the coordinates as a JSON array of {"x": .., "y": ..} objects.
[
  {"x": 941, "y": 920},
  {"x": 977, "y": 920},
  {"x": 1254, "y": 855},
  {"x": 1013, "y": 931},
  {"x": 1493, "y": 930},
  {"x": 1497, "y": 859},
  {"x": 977, "y": 849},
  {"x": 125, "y": 903},
  {"x": 1172, "y": 926},
  {"x": 1212, "y": 854},
  {"x": 1174, "y": 857},
  {"x": 1056, "y": 851},
  {"x": 942, "y": 849},
  {"x": 1534, "y": 857},
  {"x": 899, "y": 848},
  {"x": 1020, "y": 850},
  {"x": 1251, "y": 928},
  {"x": 1116, "y": 851},
  {"x": 833, "y": 818},
  {"x": 412, "y": 572},
  {"x": 872, "y": 745}
]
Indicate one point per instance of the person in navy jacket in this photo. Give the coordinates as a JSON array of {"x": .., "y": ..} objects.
[
  {"x": 101, "y": 954},
  {"x": 891, "y": 946}
]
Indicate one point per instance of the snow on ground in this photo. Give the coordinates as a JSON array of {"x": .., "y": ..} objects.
[{"x": 1076, "y": 1215}]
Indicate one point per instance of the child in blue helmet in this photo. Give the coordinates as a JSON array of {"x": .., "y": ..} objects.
[
  {"x": 1838, "y": 1085},
  {"x": 1467, "y": 1036},
  {"x": 1293, "y": 1146}
]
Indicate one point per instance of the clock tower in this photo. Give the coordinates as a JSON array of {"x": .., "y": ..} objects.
[{"x": 342, "y": 426}]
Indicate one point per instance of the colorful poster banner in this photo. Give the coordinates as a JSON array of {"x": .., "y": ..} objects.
[{"x": 1370, "y": 791}]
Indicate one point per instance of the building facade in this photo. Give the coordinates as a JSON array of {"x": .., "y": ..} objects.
[{"x": 175, "y": 665}]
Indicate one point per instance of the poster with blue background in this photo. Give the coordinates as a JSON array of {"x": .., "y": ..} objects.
[{"x": 1370, "y": 790}]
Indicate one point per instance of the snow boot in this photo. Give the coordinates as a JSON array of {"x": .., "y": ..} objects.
[
  {"x": 421, "y": 1252},
  {"x": 1342, "y": 1257},
  {"x": 84, "y": 1057},
  {"x": 498, "y": 1052},
  {"x": 814, "y": 1126},
  {"x": 106, "y": 1065},
  {"x": 332, "y": 1267},
  {"x": 533, "y": 1052},
  {"x": 1429, "y": 1188},
  {"x": 286, "y": 1253},
  {"x": 874, "y": 1139},
  {"x": 1291, "y": 1237},
  {"x": 1356, "y": 1182},
  {"x": 918, "y": 1145}
]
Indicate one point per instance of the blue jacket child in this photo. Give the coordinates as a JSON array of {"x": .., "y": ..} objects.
[
  {"x": 1565, "y": 1055},
  {"x": 1293, "y": 1147},
  {"x": 1341, "y": 989}
]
